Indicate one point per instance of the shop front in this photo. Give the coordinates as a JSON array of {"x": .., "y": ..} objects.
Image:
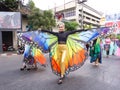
[{"x": 10, "y": 23}]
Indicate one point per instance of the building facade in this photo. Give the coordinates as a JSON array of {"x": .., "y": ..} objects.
[
  {"x": 8, "y": 31},
  {"x": 82, "y": 13},
  {"x": 12, "y": 20}
]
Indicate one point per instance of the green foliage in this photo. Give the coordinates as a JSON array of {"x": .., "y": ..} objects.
[
  {"x": 118, "y": 36},
  {"x": 12, "y": 4},
  {"x": 71, "y": 25},
  {"x": 35, "y": 18},
  {"x": 31, "y": 4},
  {"x": 112, "y": 36},
  {"x": 48, "y": 20},
  {"x": 86, "y": 26},
  {"x": 40, "y": 19}
]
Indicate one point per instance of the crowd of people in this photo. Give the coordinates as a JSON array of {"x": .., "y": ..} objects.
[{"x": 103, "y": 47}]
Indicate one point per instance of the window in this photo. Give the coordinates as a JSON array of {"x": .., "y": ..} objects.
[{"x": 70, "y": 13}]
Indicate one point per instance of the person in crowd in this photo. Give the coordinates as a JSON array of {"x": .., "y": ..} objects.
[
  {"x": 112, "y": 47},
  {"x": 95, "y": 52},
  {"x": 117, "y": 52},
  {"x": 107, "y": 46}
]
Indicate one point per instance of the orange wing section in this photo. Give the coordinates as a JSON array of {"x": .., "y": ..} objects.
[{"x": 70, "y": 63}]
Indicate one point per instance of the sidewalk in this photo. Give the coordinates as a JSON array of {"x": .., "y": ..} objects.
[{"x": 8, "y": 53}]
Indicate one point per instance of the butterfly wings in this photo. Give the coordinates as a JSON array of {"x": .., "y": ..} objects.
[
  {"x": 76, "y": 51},
  {"x": 39, "y": 42},
  {"x": 76, "y": 47},
  {"x": 44, "y": 41}
]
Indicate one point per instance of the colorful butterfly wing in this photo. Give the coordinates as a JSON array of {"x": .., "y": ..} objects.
[
  {"x": 40, "y": 39},
  {"x": 46, "y": 41},
  {"x": 86, "y": 36},
  {"x": 29, "y": 36},
  {"x": 74, "y": 59},
  {"x": 76, "y": 53},
  {"x": 26, "y": 51},
  {"x": 38, "y": 56}
]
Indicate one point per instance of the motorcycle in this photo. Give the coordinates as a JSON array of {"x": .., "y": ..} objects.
[{"x": 20, "y": 50}]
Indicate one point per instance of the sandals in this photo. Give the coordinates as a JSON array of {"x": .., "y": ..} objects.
[{"x": 22, "y": 68}]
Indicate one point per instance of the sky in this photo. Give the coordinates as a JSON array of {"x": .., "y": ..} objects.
[{"x": 106, "y": 6}]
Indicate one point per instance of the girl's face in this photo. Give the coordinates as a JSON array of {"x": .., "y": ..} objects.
[{"x": 61, "y": 28}]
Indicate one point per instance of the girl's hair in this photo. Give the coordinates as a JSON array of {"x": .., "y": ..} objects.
[
  {"x": 60, "y": 23},
  {"x": 94, "y": 42}
]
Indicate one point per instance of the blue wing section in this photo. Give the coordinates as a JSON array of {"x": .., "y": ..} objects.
[
  {"x": 27, "y": 51},
  {"x": 85, "y": 36},
  {"x": 89, "y": 35},
  {"x": 43, "y": 40}
]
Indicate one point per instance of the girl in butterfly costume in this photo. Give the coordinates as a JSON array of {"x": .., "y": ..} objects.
[
  {"x": 62, "y": 58},
  {"x": 67, "y": 49}
]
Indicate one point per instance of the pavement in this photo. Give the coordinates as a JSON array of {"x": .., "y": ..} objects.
[
  {"x": 89, "y": 77},
  {"x": 8, "y": 53}
]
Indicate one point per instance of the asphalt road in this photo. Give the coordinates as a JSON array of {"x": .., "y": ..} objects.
[{"x": 89, "y": 77}]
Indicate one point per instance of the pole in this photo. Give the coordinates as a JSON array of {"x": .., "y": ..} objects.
[
  {"x": 82, "y": 17},
  {"x": 18, "y": 4},
  {"x": 64, "y": 9}
]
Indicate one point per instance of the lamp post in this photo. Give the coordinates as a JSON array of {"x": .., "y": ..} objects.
[{"x": 81, "y": 2}]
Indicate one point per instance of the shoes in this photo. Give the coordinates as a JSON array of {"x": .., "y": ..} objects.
[
  {"x": 96, "y": 64},
  {"x": 60, "y": 81},
  {"x": 36, "y": 68},
  {"x": 43, "y": 65},
  {"x": 21, "y": 69},
  {"x": 28, "y": 69}
]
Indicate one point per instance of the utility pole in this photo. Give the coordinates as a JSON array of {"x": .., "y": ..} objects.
[
  {"x": 18, "y": 4},
  {"x": 82, "y": 16},
  {"x": 64, "y": 11}
]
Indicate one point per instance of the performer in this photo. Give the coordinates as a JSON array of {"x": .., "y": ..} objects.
[
  {"x": 31, "y": 56},
  {"x": 95, "y": 52},
  {"x": 117, "y": 53},
  {"x": 107, "y": 46},
  {"x": 67, "y": 49},
  {"x": 59, "y": 60},
  {"x": 112, "y": 47}
]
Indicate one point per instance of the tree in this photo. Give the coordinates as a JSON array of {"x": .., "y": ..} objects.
[
  {"x": 31, "y": 4},
  {"x": 71, "y": 25},
  {"x": 40, "y": 19},
  {"x": 118, "y": 36},
  {"x": 86, "y": 26},
  {"x": 35, "y": 18},
  {"x": 9, "y": 4},
  {"x": 48, "y": 20}
]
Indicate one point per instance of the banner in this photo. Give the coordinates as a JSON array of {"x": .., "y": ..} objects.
[
  {"x": 113, "y": 20},
  {"x": 10, "y": 20}
]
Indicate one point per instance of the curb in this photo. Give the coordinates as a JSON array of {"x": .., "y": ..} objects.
[{"x": 8, "y": 54}]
